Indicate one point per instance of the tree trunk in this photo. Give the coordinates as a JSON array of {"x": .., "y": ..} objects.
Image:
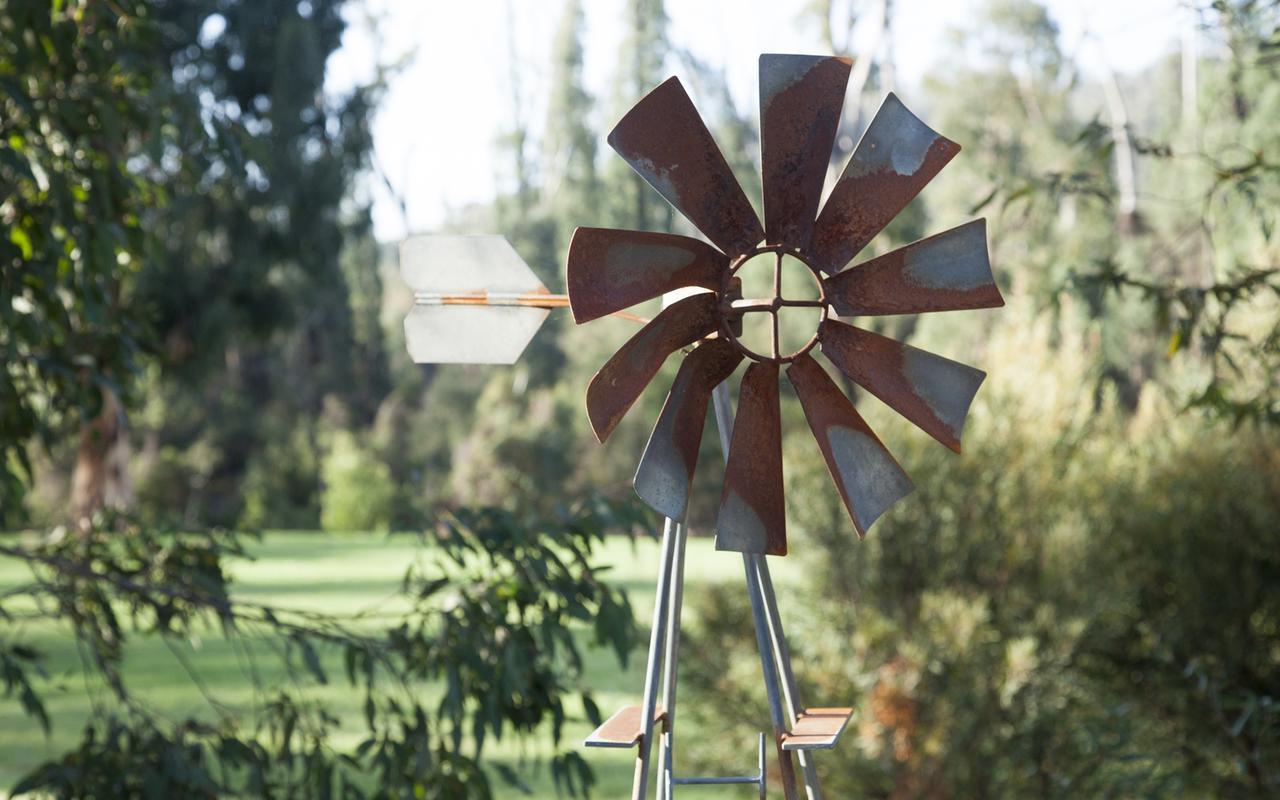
[
  {"x": 101, "y": 476},
  {"x": 1126, "y": 168}
]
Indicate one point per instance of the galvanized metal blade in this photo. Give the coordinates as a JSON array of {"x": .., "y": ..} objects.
[
  {"x": 897, "y": 156},
  {"x": 752, "y": 515},
  {"x": 609, "y": 270},
  {"x": 949, "y": 271},
  {"x": 666, "y": 468},
  {"x": 931, "y": 391},
  {"x": 800, "y": 102},
  {"x": 440, "y": 334},
  {"x": 447, "y": 264},
  {"x": 620, "y": 381},
  {"x": 867, "y": 475},
  {"x": 663, "y": 138}
]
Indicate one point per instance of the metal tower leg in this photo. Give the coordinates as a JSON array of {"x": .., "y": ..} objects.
[
  {"x": 640, "y": 783},
  {"x": 782, "y": 653},
  {"x": 666, "y": 755},
  {"x": 750, "y": 562}
]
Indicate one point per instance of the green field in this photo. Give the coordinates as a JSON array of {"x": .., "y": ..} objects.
[{"x": 341, "y": 574}]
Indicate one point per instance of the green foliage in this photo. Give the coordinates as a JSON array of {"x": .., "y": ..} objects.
[
  {"x": 260, "y": 288},
  {"x": 73, "y": 101},
  {"x": 489, "y": 614},
  {"x": 358, "y": 490},
  {"x": 280, "y": 487},
  {"x": 1048, "y": 615}
]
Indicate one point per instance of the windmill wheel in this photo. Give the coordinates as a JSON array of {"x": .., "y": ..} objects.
[{"x": 665, "y": 140}]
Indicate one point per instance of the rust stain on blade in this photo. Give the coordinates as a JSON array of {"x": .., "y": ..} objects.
[
  {"x": 666, "y": 468},
  {"x": 931, "y": 391},
  {"x": 949, "y": 271},
  {"x": 866, "y": 474},
  {"x": 666, "y": 142},
  {"x": 800, "y": 102},
  {"x": 752, "y": 515},
  {"x": 896, "y": 158},
  {"x": 620, "y": 381},
  {"x": 609, "y": 270}
]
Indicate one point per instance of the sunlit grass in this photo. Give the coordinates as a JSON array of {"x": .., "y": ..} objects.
[{"x": 340, "y": 574}]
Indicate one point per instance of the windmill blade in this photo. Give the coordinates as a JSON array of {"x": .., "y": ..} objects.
[
  {"x": 800, "y": 102},
  {"x": 752, "y": 509},
  {"x": 608, "y": 270},
  {"x": 931, "y": 391},
  {"x": 453, "y": 277},
  {"x": 949, "y": 271},
  {"x": 666, "y": 142},
  {"x": 866, "y": 474},
  {"x": 896, "y": 158},
  {"x": 666, "y": 468},
  {"x": 620, "y": 381}
]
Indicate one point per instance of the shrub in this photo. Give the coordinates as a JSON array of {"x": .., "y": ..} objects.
[
  {"x": 358, "y": 491},
  {"x": 1084, "y": 604}
]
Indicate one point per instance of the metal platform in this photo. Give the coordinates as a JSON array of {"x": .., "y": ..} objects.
[
  {"x": 817, "y": 729},
  {"x": 624, "y": 729}
]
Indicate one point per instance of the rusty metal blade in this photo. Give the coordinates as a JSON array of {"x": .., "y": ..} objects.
[
  {"x": 608, "y": 270},
  {"x": 666, "y": 468},
  {"x": 931, "y": 391},
  {"x": 663, "y": 138},
  {"x": 946, "y": 272},
  {"x": 752, "y": 511},
  {"x": 623, "y": 377},
  {"x": 896, "y": 158},
  {"x": 800, "y": 102},
  {"x": 867, "y": 475}
]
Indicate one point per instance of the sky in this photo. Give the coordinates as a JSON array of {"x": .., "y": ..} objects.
[{"x": 454, "y": 95}]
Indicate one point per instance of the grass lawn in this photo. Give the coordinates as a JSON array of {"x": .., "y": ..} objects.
[{"x": 338, "y": 573}]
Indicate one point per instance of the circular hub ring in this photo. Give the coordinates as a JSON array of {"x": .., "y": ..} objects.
[{"x": 732, "y": 307}]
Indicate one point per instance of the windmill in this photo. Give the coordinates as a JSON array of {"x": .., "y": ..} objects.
[{"x": 608, "y": 271}]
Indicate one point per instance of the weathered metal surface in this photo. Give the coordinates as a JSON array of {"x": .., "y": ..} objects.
[
  {"x": 623, "y": 730},
  {"x": 665, "y": 141},
  {"x": 733, "y": 306},
  {"x": 931, "y": 391},
  {"x": 817, "y": 729},
  {"x": 800, "y": 102},
  {"x": 608, "y": 270},
  {"x": 867, "y": 476},
  {"x": 666, "y": 468},
  {"x": 465, "y": 265},
  {"x": 949, "y": 271},
  {"x": 620, "y": 381},
  {"x": 752, "y": 515},
  {"x": 897, "y": 156}
]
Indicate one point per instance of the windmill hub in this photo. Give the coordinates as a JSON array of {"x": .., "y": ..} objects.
[{"x": 777, "y": 282}]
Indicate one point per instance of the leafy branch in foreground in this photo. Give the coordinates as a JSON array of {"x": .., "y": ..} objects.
[{"x": 497, "y": 604}]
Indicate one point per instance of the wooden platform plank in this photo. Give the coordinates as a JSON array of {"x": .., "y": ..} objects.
[
  {"x": 817, "y": 729},
  {"x": 623, "y": 729}
]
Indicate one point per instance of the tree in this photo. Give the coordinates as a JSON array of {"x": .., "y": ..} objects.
[
  {"x": 249, "y": 291},
  {"x": 641, "y": 63},
  {"x": 79, "y": 101},
  {"x": 571, "y": 186}
]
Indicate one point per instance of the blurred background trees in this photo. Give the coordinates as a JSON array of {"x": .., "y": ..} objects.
[{"x": 200, "y": 331}]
